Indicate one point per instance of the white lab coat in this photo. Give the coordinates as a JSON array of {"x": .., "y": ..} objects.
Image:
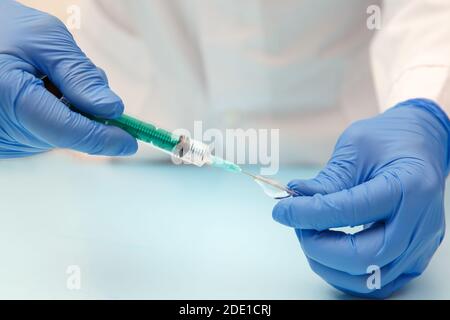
[{"x": 306, "y": 67}]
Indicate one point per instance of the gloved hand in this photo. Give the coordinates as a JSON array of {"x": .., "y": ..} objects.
[
  {"x": 387, "y": 173},
  {"x": 32, "y": 120}
]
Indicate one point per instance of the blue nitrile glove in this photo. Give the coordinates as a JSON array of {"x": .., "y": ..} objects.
[
  {"x": 387, "y": 173},
  {"x": 32, "y": 120}
]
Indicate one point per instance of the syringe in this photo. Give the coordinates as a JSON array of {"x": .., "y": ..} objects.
[{"x": 179, "y": 146}]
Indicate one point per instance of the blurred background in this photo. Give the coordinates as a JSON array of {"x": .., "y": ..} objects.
[
  {"x": 57, "y": 8},
  {"x": 137, "y": 228}
]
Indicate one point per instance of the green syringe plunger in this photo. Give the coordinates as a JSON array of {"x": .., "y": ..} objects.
[{"x": 146, "y": 132}]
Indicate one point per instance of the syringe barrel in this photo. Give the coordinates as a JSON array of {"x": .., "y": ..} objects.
[
  {"x": 180, "y": 147},
  {"x": 193, "y": 151}
]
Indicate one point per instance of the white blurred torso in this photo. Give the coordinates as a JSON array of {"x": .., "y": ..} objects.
[{"x": 300, "y": 66}]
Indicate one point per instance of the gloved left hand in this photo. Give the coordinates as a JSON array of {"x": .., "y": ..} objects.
[
  {"x": 387, "y": 173},
  {"x": 32, "y": 120}
]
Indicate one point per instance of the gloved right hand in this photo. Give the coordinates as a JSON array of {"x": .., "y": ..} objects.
[
  {"x": 32, "y": 120},
  {"x": 387, "y": 173}
]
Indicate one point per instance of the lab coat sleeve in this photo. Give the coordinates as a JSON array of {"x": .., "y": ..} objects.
[{"x": 410, "y": 54}]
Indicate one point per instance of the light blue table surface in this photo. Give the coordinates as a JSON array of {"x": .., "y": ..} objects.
[{"x": 144, "y": 230}]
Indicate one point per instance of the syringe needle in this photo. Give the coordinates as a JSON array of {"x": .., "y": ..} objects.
[{"x": 266, "y": 181}]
